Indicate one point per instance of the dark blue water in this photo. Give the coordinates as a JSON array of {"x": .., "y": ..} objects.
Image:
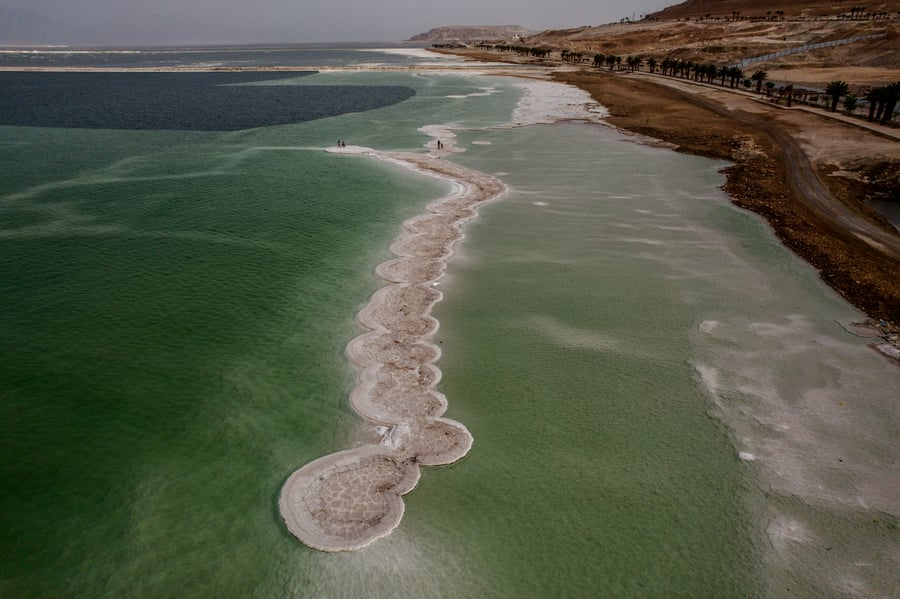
[{"x": 178, "y": 101}]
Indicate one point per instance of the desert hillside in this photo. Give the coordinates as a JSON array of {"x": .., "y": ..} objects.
[
  {"x": 795, "y": 9},
  {"x": 863, "y": 38},
  {"x": 862, "y": 43},
  {"x": 733, "y": 41}
]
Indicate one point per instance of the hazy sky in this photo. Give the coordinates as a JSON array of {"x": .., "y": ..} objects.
[{"x": 160, "y": 22}]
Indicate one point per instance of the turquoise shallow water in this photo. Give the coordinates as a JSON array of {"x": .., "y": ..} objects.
[
  {"x": 176, "y": 306},
  {"x": 566, "y": 356},
  {"x": 144, "y": 385}
]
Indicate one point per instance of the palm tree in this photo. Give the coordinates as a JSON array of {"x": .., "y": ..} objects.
[
  {"x": 836, "y": 89},
  {"x": 722, "y": 73},
  {"x": 651, "y": 64},
  {"x": 892, "y": 95},
  {"x": 699, "y": 71},
  {"x": 665, "y": 65},
  {"x": 850, "y": 103},
  {"x": 735, "y": 74},
  {"x": 759, "y": 76},
  {"x": 875, "y": 96}
]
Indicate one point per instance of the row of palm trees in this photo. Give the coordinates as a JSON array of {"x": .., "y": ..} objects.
[
  {"x": 709, "y": 73},
  {"x": 520, "y": 50},
  {"x": 568, "y": 56},
  {"x": 882, "y": 100},
  {"x": 675, "y": 67}
]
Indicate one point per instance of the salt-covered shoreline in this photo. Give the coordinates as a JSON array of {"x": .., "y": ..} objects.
[{"x": 346, "y": 500}]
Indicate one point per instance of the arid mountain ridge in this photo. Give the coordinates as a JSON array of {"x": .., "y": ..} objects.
[
  {"x": 729, "y": 31},
  {"x": 454, "y": 33}
]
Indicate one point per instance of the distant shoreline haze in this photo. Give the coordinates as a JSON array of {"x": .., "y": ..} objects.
[{"x": 201, "y": 22}]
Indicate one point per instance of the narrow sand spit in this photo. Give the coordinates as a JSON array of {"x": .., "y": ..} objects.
[{"x": 346, "y": 500}]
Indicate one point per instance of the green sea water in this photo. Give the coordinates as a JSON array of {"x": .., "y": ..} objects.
[{"x": 176, "y": 305}]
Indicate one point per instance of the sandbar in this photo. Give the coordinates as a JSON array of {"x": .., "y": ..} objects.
[{"x": 346, "y": 500}]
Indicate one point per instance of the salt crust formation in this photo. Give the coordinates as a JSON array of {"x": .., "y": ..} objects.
[{"x": 348, "y": 499}]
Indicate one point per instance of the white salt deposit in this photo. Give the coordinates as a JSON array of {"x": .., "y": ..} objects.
[{"x": 549, "y": 102}]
